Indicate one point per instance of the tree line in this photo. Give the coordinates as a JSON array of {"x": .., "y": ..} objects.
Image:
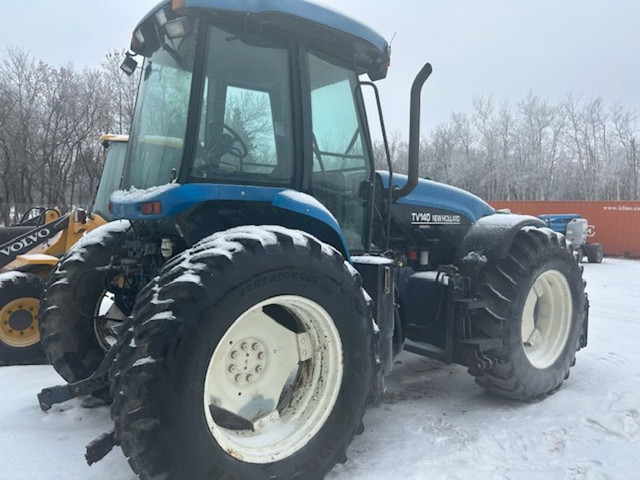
[
  {"x": 532, "y": 150},
  {"x": 51, "y": 119}
]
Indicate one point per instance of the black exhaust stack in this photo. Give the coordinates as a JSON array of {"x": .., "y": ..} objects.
[{"x": 414, "y": 133}]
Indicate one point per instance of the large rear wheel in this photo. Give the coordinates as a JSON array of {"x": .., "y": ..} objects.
[
  {"x": 251, "y": 357},
  {"x": 536, "y": 306},
  {"x": 19, "y": 306}
]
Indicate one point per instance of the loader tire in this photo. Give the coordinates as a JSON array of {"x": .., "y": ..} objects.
[
  {"x": 537, "y": 307},
  {"x": 251, "y": 357},
  {"x": 73, "y": 334},
  {"x": 19, "y": 306}
]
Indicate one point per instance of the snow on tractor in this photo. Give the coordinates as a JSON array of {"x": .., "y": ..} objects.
[
  {"x": 269, "y": 274},
  {"x": 30, "y": 251},
  {"x": 576, "y": 229}
]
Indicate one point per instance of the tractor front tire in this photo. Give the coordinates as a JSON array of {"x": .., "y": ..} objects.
[
  {"x": 70, "y": 324},
  {"x": 536, "y": 307},
  {"x": 595, "y": 252},
  {"x": 19, "y": 306},
  {"x": 251, "y": 357}
]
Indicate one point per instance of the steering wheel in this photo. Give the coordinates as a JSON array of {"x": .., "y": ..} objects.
[{"x": 226, "y": 142}]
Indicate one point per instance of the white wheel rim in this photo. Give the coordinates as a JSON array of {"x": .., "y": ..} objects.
[
  {"x": 546, "y": 319},
  {"x": 280, "y": 384},
  {"x": 107, "y": 320}
]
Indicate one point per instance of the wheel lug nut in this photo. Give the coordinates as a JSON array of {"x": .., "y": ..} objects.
[
  {"x": 233, "y": 369},
  {"x": 255, "y": 347},
  {"x": 259, "y": 369},
  {"x": 261, "y": 356},
  {"x": 250, "y": 378},
  {"x": 244, "y": 346},
  {"x": 239, "y": 378},
  {"x": 234, "y": 354}
]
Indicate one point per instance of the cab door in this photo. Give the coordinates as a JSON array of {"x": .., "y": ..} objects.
[{"x": 342, "y": 168}]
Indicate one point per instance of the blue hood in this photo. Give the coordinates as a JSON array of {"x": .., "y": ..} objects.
[{"x": 444, "y": 197}]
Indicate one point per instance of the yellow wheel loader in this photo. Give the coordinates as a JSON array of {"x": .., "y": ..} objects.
[{"x": 30, "y": 250}]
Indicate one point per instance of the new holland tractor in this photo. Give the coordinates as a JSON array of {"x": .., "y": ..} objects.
[
  {"x": 30, "y": 250},
  {"x": 271, "y": 274}
]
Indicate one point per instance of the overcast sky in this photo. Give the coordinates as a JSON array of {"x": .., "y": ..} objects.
[{"x": 503, "y": 48}]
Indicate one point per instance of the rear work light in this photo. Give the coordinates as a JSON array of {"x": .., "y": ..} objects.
[
  {"x": 139, "y": 36},
  {"x": 161, "y": 17},
  {"x": 151, "y": 208},
  {"x": 178, "y": 28}
]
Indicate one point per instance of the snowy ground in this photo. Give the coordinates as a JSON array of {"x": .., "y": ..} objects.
[{"x": 434, "y": 423}]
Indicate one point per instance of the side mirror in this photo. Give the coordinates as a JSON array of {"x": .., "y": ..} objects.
[{"x": 129, "y": 65}]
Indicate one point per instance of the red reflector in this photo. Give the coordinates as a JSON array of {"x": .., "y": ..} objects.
[
  {"x": 177, "y": 4},
  {"x": 111, "y": 209},
  {"x": 151, "y": 208},
  {"x": 412, "y": 256}
]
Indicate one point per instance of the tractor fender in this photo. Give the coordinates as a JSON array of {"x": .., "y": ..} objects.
[
  {"x": 314, "y": 218},
  {"x": 489, "y": 240},
  {"x": 311, "y": 216}
]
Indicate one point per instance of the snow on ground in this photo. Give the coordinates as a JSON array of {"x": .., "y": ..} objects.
[{"x": 434, "y": 422}]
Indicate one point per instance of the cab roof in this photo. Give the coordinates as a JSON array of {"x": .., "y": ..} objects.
[{"x": 303, "y": 18}]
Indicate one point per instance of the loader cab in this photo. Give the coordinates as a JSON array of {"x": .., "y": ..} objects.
[
  {"x": 236, "y": 96},
  {"x": 113, "y": 158}
]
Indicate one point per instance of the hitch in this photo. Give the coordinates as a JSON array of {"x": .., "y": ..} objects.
[
  {"x": 100, "y": 447},
  {"x": 62, "y": 393}
]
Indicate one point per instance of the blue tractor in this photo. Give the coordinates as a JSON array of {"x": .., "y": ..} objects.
[
  {"x": 575, "y": 229},
  {"x": 265, "y": 274}
]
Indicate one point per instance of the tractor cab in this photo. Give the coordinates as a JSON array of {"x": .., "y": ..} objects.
[{"x": 251, "y": 101}]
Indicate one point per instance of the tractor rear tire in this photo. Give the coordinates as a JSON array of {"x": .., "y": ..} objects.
[
  {"x": 536, "y": 306},
  {"x": 19, "y": 306},
  {"x": 595, "y": 252},
  {"x": 198, "y": 382},
  {"x": 72, "y": 335}
]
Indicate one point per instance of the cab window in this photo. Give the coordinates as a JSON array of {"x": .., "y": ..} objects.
[{"x": 341, "y": 162}]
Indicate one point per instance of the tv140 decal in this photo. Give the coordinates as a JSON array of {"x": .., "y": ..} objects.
[{"x": 419, "y": 219}]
